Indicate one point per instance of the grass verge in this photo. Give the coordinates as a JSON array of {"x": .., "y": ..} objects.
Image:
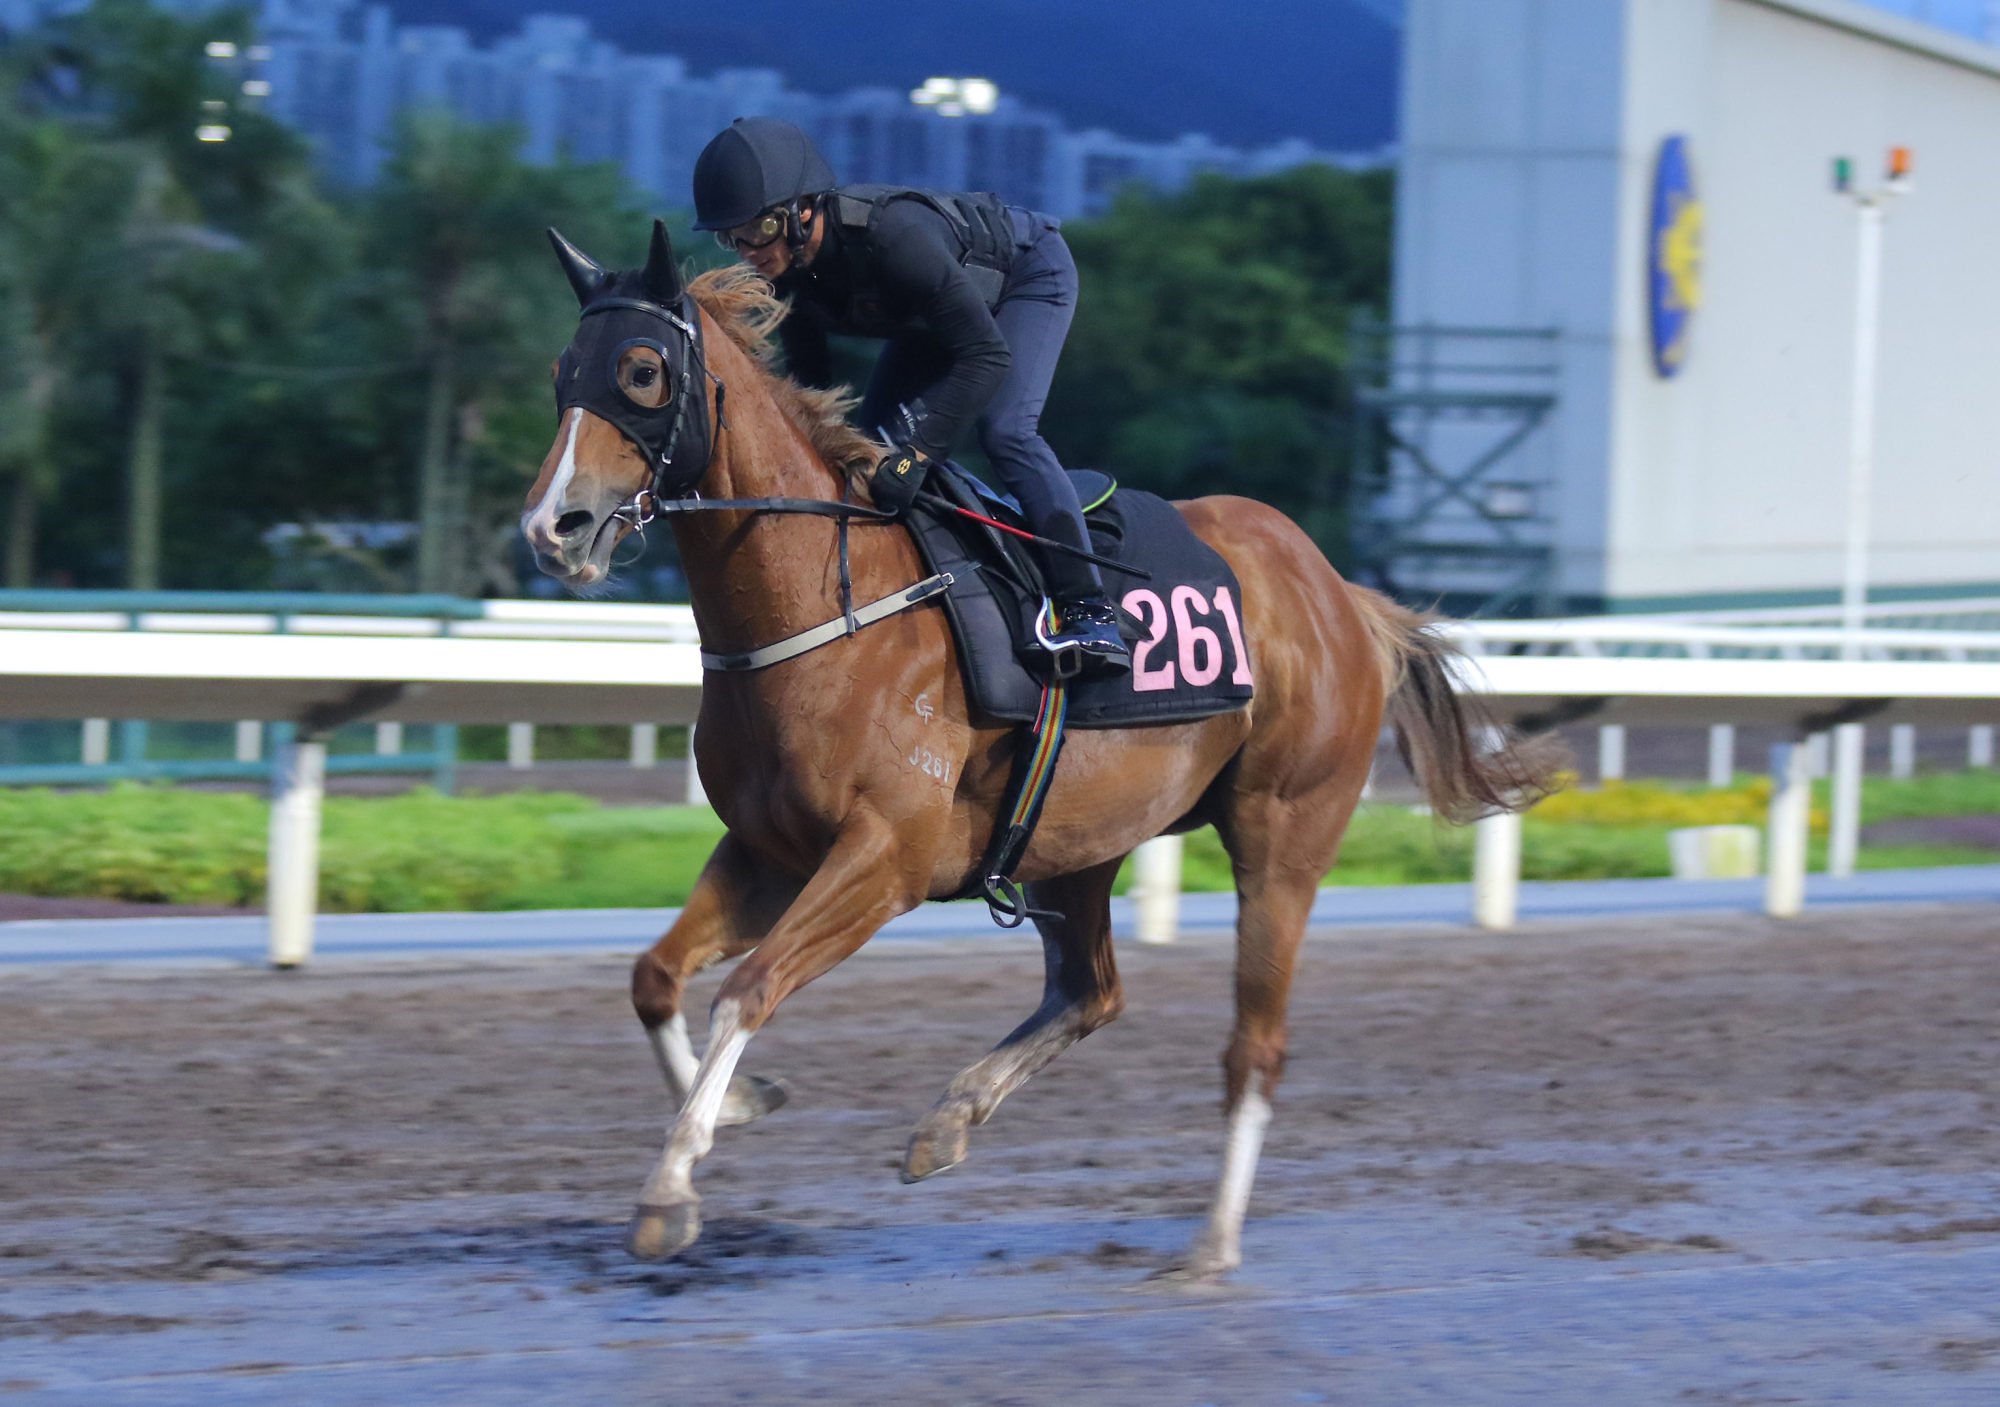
[{"x": 422, "y": 851}]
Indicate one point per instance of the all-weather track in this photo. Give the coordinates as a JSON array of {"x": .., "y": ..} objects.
[{"x": 1668, "y": 1159}]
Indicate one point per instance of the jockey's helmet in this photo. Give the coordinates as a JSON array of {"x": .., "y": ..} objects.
[{"x": 753, "y": 165}]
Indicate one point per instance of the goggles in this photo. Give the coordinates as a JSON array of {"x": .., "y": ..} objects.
[{"x": 753, "y": 234}]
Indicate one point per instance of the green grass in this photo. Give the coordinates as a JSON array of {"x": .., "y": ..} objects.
[{"x": 422, "y": 851}]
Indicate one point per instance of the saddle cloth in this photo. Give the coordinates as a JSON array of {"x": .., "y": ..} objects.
[{"x": 1184, "y": 621}]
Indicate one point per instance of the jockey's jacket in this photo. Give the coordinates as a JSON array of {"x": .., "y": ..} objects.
[{"x": 899, "y": 262}]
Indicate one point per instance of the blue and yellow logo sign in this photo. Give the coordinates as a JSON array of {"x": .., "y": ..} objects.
[{"x": 1673, "y": 256}]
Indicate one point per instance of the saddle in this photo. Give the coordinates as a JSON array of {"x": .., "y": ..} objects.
[{"x": 1178, "y": 604}]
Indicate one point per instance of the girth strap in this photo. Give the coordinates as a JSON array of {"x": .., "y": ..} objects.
[
  {"x": 1034, "y": 771},
  {"x": 844, "y": 624}
]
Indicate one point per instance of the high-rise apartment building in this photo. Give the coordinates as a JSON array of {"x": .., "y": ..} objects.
[{"x": 341, "y": 71}]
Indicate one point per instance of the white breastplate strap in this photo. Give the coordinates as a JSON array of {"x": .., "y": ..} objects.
[{"x": 833, "y": 629}]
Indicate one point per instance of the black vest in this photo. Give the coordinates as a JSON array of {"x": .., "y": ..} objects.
[{"x": 979, "y": 222}]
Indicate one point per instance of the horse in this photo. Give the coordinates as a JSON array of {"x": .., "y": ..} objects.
[{"x": 855, "y": 782}]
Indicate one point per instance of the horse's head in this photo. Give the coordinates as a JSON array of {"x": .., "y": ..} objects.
[{"x": 631, "y": 412}]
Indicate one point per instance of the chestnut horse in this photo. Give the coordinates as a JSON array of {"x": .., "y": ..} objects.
[{"x": 825, "y": 768}]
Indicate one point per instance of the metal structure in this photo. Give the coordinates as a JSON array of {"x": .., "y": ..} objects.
[{"x": 1443, "y": 486}]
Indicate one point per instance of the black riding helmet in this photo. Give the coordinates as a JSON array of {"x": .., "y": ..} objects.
[{"x": 753, "y": 165}]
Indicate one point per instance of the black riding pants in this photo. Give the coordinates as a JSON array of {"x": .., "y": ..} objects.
[{"x": 1034, "y": 314}]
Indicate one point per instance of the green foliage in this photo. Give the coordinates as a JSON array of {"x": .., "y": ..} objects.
[
  {"x": 1935, "y": 794},
  {"x": 1209, "y": 353},
  {"x": 1665, "y": 804},
  {"x": 384, "y": 355},
  {"x": 423, "y": 851}
]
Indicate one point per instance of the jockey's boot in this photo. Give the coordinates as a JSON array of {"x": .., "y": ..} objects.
[{"x": 1088, "y": 625}]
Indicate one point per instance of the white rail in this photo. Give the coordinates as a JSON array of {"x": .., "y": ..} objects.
[{"x": 321, "y": 681}]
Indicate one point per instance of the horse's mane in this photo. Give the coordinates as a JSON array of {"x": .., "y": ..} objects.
[{"x": 747, "y": 309}]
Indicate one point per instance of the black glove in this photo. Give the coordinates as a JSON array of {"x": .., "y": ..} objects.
[{"x": 897, "y": 478}]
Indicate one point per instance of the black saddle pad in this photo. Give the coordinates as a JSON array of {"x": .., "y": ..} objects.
[{"x": 1185, "y": 625}]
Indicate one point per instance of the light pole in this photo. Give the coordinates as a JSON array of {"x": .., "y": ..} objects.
[{"x": 1871, "y": 205}]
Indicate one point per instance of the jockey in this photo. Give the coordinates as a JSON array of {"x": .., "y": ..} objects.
[{"x": 973, "y": 298}]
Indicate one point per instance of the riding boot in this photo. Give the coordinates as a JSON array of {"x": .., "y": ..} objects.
[{"x": 1088, "y": 625}]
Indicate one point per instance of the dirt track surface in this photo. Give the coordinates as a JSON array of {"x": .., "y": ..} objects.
[{"x": 1717, "y": 1161}]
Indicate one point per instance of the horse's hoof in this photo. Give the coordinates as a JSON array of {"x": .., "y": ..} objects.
[
  {"x": 751, "y": 1097},
  {"x": 1203, "y": 1265},
  {"x": 658, "y": 1233},
  {"x": 936, "y": 1145}
]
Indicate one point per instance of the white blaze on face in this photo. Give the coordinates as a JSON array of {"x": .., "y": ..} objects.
[{"x": 541, "y": 519}]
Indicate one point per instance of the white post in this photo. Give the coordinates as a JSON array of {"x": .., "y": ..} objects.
[
  {"x": 1843, "y": 841},
  {"x": 645, "y": 744},
  {"x": 520, "y": 746},
  {"x": 292, "y": 890},
  {"x": 1791, "y": 808},
  {"x": 697, "y": 795},
  {"x": 1721, "y": 754},
  {"x": 96, "y": 741},
  {"x": 1156, "y": 888},
  {"x": 1611, "y": 753},
  {"x": 249, "y": 741},
  {"x": 1817, "y": 751},
  {"x": 1979, "y": 746},
  {"x": 1861, "y": 427},
  {"x": 1496, "y": 870},
  {"x": 388, "y": 739},
  {"x": 1903, "y": 751}
]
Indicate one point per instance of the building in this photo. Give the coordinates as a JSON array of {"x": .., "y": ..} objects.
[
  {"x": 1633, "y": 201},
  {"x": 340, "y": 72}
]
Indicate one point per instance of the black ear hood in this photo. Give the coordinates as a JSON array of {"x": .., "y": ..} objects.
[{"x": 647, "y": 307}]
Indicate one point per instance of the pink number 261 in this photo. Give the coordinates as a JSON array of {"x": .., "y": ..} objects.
[{"x": 1200, "y": 653}]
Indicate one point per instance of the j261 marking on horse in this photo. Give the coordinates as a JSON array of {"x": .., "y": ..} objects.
[
  {"x": 930, "y": 764},
  {"x": 1197, "y": 647}
]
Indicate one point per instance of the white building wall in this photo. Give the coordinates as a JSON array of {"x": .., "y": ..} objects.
[
  {"x": 1507, "y": 216},
  {"x": 1531, "y": 131}
]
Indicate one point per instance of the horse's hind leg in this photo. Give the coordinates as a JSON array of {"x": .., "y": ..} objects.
[
  {"x": 732, "y": 906},
  {"x": 1080, "y": 993},
  {"x": 1281, "y": 848}
]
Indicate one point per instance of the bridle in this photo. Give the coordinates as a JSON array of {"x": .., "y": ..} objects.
[{"x": 675, "y": 439}]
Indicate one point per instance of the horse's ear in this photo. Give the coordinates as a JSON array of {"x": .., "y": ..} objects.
[
  {"x": 663, "y": 274},
  {"x": 584, "y": 274}
]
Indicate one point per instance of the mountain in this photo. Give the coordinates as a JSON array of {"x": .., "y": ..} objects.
[{"x": 1245, "y": 73}]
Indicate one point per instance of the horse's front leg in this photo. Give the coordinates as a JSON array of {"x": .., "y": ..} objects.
[
  {"x": 732, "y": 906},
  {"x": 867, "y": 879}
]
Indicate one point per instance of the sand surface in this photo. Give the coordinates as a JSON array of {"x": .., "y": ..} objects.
[{"x": 1718, "y": 1160}]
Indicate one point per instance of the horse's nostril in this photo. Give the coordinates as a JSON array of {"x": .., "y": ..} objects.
[{"x": 570, "y": 524}]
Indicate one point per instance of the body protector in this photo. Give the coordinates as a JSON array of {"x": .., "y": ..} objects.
[
  {"x": 647, "y": 308},
  {"x": 978, "y": 221}
]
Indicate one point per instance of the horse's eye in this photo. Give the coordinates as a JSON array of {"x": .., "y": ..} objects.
[{"x": 644, "y": 375}]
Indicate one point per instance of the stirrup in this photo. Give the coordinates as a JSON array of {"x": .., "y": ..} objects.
[{"x": 1008, "y": 903}]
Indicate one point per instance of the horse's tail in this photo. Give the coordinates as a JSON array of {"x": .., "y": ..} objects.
[{"x": 1467, "y": 764}]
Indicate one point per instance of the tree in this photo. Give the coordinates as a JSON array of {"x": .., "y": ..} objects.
[
  {"x": 61, "y": 235},
  {"x": 110, "y": 99},
  {"x": 455, "y": 232},
  {"x": 1209, "y": 352}
]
